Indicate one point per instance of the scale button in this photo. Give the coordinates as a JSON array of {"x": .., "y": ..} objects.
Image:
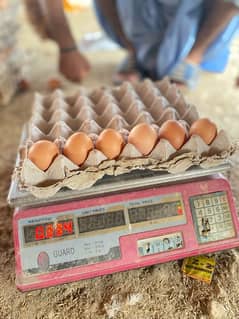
[
  {"x": 198, "y": 203},
  {"x": 221, "y": 227},
  {"x": 217, "y": 209},
  {"x": 200, "y": 212},
  {"x": 228, "y": 224},
  {"x": 225, "y": 208},
  {"x": 207, "y": 202},
  {"x": 43, "y": 261},
  {"x": 223, "y": 199},
  {"x": 219, "y": 218},
  {"x": 209, "y": 211},
  {"x": 213, "y": 228},
  {"x": 229, "y": 233},
  {"x": 211, "y": 219},
  {"x": 215, "y": 200},
  {"x": 227, "y": 216},
  {"x": 199, "y": 221}
]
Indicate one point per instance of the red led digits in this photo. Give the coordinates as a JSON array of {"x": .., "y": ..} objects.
[
  {"x": 180, "y": 210},
  {"x": 39, "y": 233},
  {"x": 49, "y": 231},
  {"x": 59, "y": 230},
  {"x": 68, "y": 227}
]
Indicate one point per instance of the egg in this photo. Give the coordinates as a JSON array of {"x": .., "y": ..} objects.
[
  {"x": 77, "y": 147},
  {"x": 53, "y": 84},
  {"x": 110, "y": 143},
  {"x": 174, "y": 132},
  {"x": 143, "y": 136},
  {"x": 42, "y": 153},
  {"x": 23, "y": 85},
  {"x": 205, "y": 128}
]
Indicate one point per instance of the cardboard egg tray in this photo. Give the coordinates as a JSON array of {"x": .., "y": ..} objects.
[{"x": 55, "y": 117}]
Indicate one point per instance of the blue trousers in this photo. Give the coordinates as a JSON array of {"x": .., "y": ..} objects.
[{"x": 164, "y": 31}]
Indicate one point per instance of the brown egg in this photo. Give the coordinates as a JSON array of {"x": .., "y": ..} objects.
[
  {"x": 205, "y": 128},
  {"x": 53, "y": 84},
  {"x": 77, "y": 147},
  {"x": 42, "y": 153},
  {"x": 174, "y": 132},
  {"x": 23, "y": 85},
  {"x": 143, "y": 136},
  {"x": 110, "y": 142}
]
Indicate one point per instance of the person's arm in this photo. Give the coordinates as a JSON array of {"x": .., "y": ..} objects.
[
  {"x": 109, "y": 10},
  {"x": 72, "y": 64},
  {"x": 219, "y": 14},
  {"x": 57, "y": 24}
]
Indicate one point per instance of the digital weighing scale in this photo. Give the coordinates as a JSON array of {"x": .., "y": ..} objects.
[{"x": 124, "y": 222}]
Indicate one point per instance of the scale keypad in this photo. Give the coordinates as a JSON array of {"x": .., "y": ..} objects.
[{"x": 212, "y": 217}]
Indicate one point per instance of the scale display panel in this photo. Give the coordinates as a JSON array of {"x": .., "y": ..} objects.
[
  {"x": 155, "y": 211},
  {"x": 101, "y": 221},
  {"x": 45, "y": 231},
  {"x": 97, "y": 236}
]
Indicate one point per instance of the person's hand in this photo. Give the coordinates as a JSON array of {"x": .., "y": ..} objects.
[{"x": 74, "y": 66}]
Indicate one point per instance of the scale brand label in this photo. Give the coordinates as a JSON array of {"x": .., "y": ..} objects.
[{"x": 64, "y": 252}]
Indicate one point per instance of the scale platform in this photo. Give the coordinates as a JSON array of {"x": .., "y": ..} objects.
[{"x": 121, "y": 223}]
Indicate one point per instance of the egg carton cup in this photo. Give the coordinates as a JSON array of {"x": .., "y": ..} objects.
[
  {"x": 64, "y": 173},
  {"x": 55, "y": 117},
  {"x": 120, "y": 108}
]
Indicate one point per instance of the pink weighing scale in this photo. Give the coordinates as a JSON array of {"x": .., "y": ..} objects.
[{"x": 121, "y": 223}]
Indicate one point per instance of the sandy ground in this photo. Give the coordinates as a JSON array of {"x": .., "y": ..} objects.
[{"x": 161, "y": 291}]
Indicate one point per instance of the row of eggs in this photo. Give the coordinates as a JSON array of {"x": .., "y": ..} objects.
[{"x": 111, "y": 142}]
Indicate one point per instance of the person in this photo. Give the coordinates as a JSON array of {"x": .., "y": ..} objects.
[
  {"x": 174, "y": 38},
  {"x": 179, "y": 242},
  {"x": 167, "y": 244},
  {"x": 148, "y": 248},
  {"x": 205, "y": 227}
]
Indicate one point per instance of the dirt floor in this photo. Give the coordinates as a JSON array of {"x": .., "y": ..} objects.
[{"x": 161, "y": 291}]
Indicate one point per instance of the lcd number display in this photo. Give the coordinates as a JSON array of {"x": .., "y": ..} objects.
[
  {"x": 46, "y": 231},
  {"x": 155, "y": 211},
  {"x": 101, "y": 221}
]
